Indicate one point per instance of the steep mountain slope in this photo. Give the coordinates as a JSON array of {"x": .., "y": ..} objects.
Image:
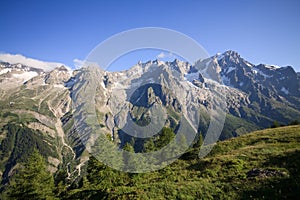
[
  {"x": 51, "y": 106},
  {"x": 256, "y": 96},
  {"x": 273, "y": 92},
  {"x": 31, "y": 109}
]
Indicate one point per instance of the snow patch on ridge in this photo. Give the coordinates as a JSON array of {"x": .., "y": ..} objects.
[
  {"x": 220, "y": 56},
  {"x": 17, "y": 59},
  {"x": 284, "y": 90},
  {"x": 25, "y": 76},
  {"x": 258, "y": 71},
  {"x": 192, "y": 76},
  {"x": 272, "y": 66},
  {"x": 226, "y": 81},
  {"x": 230, "y": 69},
  {"x": 3, "y": 71}
]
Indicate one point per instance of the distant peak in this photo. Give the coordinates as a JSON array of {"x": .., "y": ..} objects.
[
  {"x": 30, "y": 62},
  {"x": 62, "y": 68},
  {"x": 288, "y": 69},
  {"x": 174, "y": 62},
  {"x": 231, "y": 53}
]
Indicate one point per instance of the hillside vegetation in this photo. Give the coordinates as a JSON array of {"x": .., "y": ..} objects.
[{"x": 260, "y": 165}]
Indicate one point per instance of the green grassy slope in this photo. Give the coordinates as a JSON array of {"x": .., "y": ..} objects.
[{"x": 224, "y": 174}]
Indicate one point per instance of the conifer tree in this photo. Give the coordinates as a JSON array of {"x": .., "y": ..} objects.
[
  {"x": 199, "y": 141},
  {"x": 165, "y": 137},
  {"x": 149, "y": 145},
  {"x": 100, "y": 175},
  {"x": 130, "y": 161},
  {"x": 32, "y": 181}
]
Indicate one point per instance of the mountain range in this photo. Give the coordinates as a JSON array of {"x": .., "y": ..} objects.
[{"x": 40, "y": 107}]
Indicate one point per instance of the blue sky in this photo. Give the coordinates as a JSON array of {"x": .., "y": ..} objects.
[{"x": 262, "y": 31}]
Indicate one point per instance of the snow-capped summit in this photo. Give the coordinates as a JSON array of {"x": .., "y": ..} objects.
[
  {"x": 20, "y": 59},
  {"x": 22, "y": 70},
  {"x": 13, "y": 75},
  {"x": 232, "y": 70},
  {"x": 59, "y": 75}
]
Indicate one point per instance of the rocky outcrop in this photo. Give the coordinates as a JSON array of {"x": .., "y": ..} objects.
[{"x": 265, "y": 173}]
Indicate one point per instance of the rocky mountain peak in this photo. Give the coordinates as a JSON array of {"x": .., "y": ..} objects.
[
  {"x": 231, "y": 53},
  {"x": 62, "y": 68},
  {"x": 14, "y": 75},
  {"x": 18, "y": 67},
  {"x": 59, "y": 75}
]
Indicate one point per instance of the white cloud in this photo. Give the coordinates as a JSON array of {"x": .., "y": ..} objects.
[
  {"x": 78, "y": 63},
  {"x": 164, "y": 55},
  {"x": 15, "y": 59},
  {"x": 161, "y": 55},
  {"x": 83, "y": 63}
]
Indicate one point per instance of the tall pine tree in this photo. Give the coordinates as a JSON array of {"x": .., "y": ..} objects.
[{"x": 32, "y": 181}]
